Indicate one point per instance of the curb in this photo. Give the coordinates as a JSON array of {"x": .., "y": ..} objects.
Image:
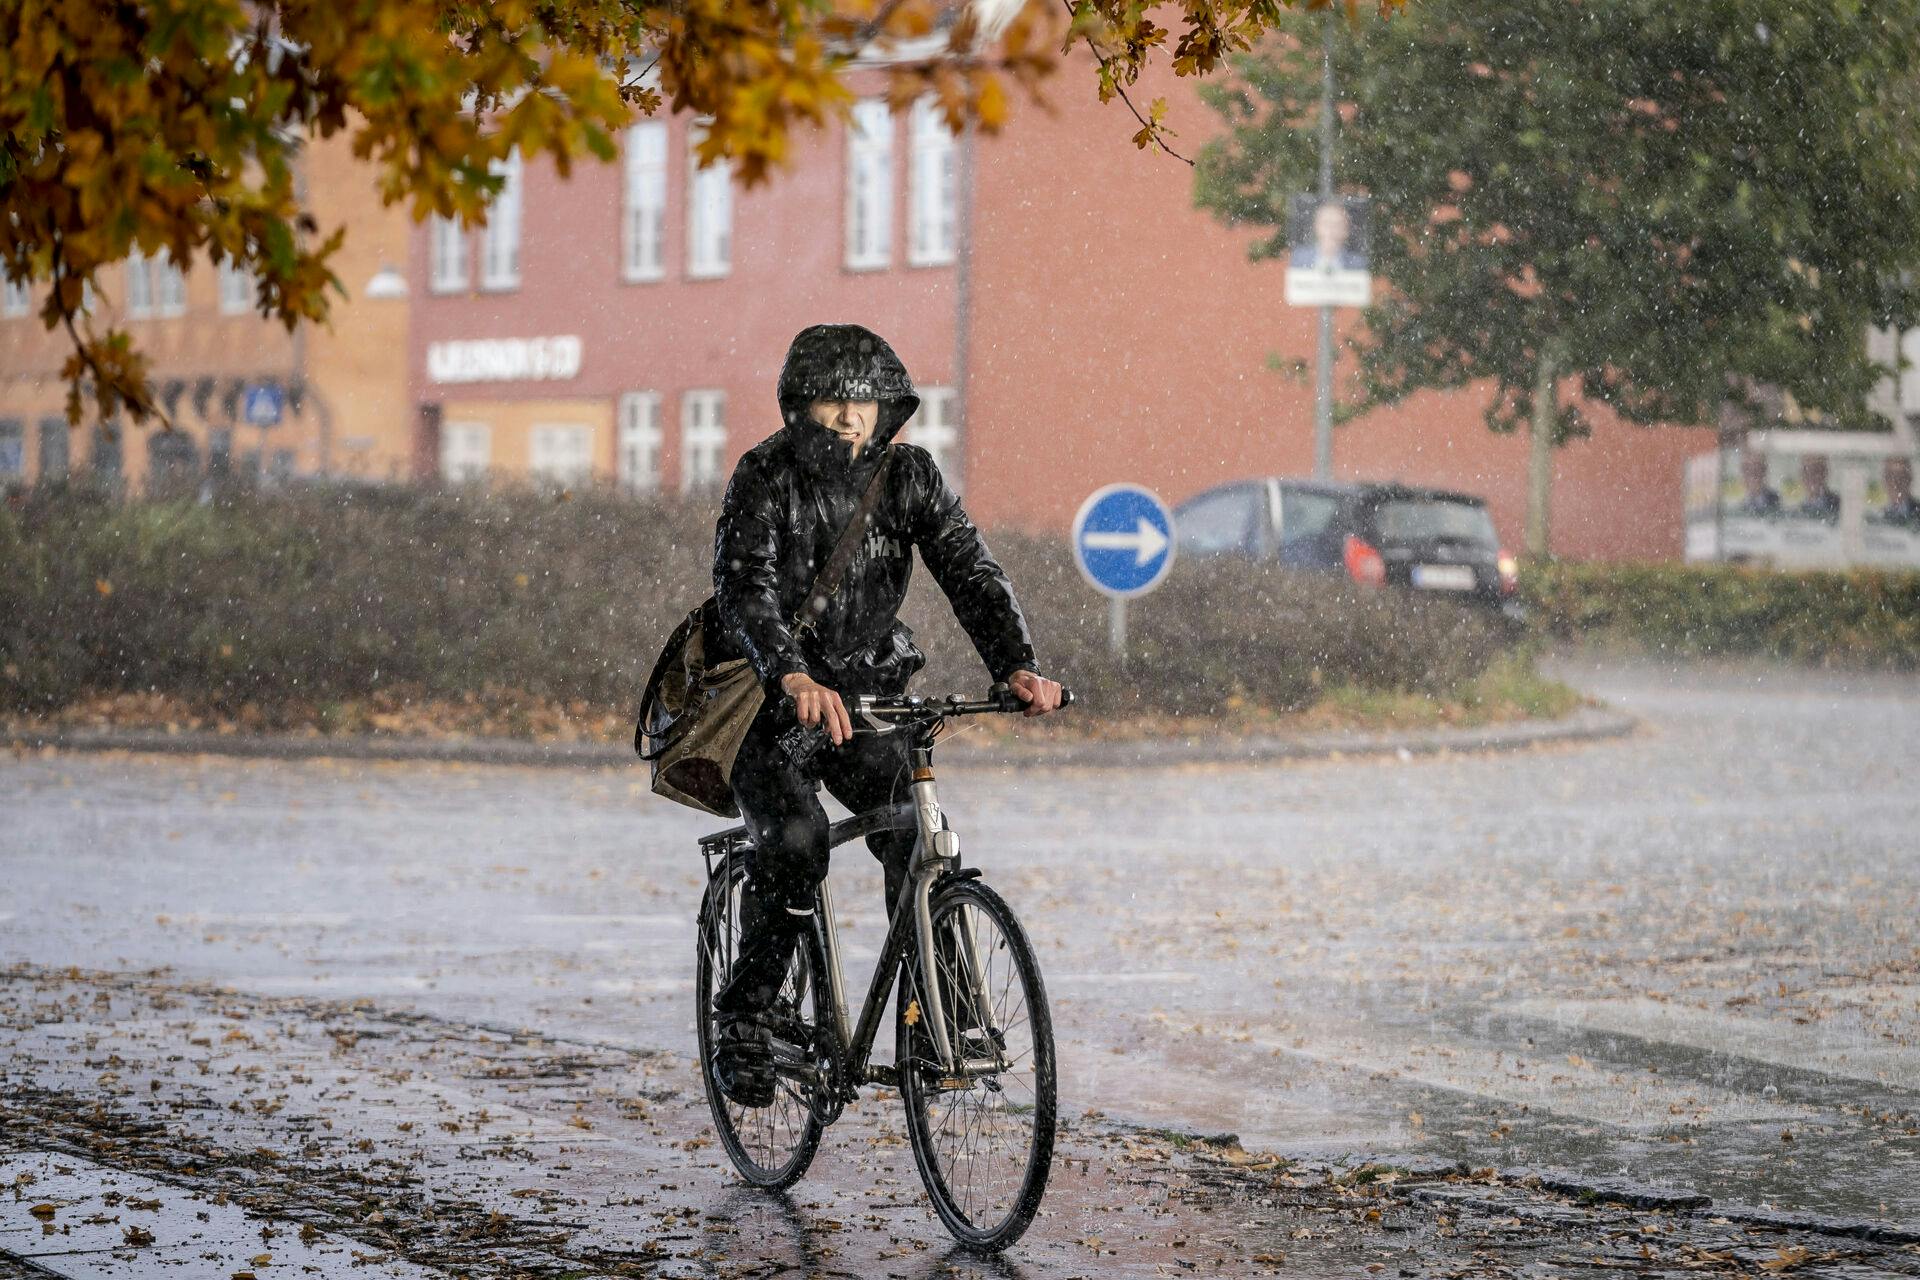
[{"x": 1587, "y": 725}]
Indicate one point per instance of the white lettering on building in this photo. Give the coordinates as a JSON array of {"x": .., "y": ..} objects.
[{"x": 505, "y": 359}]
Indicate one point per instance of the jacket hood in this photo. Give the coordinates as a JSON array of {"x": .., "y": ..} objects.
[{"x": 842, "y": 362}]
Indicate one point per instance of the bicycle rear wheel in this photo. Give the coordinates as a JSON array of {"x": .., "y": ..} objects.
[
  {"x": 771, "y": 1146},
  {"x": 983, "y": 1138}
]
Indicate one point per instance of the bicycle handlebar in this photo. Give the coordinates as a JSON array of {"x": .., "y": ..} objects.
[{"x": 1000, "y": 699}]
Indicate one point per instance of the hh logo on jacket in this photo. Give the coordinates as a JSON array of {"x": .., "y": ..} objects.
[{"x": 881, "y": 547}]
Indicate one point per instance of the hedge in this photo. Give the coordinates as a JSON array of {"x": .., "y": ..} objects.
[
  {"x": 1856, "y": 618},
  {"x": 316, "y": 595}
]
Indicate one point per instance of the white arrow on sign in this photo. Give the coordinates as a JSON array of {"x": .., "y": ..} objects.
[{"x": 1146, "y": 541}]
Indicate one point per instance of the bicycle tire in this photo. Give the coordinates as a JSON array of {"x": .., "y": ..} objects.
[
  {"x": 769, "y": 1146},
  {"x": 976, "y": 1217}
]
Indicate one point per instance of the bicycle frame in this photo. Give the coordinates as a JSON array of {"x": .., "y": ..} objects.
[{"x": 936, "y": 853}]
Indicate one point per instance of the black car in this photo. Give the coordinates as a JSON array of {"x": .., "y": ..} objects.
[{"x": 1374, "y": 534}]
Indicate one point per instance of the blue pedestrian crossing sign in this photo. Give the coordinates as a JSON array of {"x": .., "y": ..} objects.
[
  {"x": 1123, "y": 540},
  {"x": 262, "y": 404}
]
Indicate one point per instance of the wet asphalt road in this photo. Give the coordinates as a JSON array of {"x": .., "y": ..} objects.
[{"x": 1687, "y": 960}]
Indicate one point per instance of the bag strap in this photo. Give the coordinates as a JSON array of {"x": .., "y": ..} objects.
[
  {"x": 676, "y": 644},
  {"x": 828, "y": 581}
]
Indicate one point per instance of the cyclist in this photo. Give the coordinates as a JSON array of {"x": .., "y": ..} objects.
[{"x": 843, "y": 396}]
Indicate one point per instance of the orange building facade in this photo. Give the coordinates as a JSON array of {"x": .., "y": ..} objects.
[{"x": 340, "y": 390}]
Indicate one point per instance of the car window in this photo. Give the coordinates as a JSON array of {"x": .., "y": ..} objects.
[
  {"x": 1218, "y": 523},
  {"x": 1434, "y": 520},
  {"x": 1305, "y": 514}
]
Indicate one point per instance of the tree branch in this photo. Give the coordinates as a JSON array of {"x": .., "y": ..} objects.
[{"x": 1152, "y": 129}]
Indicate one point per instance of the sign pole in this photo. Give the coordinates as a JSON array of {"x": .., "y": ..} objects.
[
  {"x": 1117, "y": 629},
  {"x": 1323, "y": 380}
]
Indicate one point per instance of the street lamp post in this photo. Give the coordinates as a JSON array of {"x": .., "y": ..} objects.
[{"x": 1323, "y": 380}]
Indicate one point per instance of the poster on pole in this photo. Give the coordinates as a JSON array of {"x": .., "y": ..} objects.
[{"x": 1327, "y": 262}]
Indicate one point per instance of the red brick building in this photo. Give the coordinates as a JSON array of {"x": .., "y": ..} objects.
[{"x": 1073, "y": 319}]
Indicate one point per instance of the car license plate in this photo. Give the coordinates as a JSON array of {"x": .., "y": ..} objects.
[{"x": 1443, "y": 577}]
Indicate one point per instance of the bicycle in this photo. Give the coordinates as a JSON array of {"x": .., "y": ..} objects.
[{"x": 973, "y": 1036}]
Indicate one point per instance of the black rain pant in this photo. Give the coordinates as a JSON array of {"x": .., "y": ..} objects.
[{"x": 781, "y": 807}]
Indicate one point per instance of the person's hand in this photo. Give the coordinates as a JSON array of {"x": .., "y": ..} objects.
[
  {"x": 814, "y": 703},
  {"x": 1039, "y": 693}
]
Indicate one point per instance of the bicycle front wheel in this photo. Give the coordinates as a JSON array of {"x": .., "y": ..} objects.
[
  {"x": 771, "y": 1146},
  {"x": 983, "y": 1136}
]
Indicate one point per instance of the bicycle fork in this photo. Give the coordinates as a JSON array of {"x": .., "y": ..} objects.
[{"x": 936, "y": 852}]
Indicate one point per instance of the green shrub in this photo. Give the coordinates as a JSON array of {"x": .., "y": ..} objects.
[
  {"x": 323, "y": 596},
  {"x": 1860, "y": 617}
]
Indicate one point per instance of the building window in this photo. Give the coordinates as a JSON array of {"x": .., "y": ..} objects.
[
  {"x": 103, "y": 459},
  {"x": 500, "y": 242},
  {"x": 870, "y": 185},
  {"x": 449, "y": 256},
  {"x": 638, "y": 461},
  {"x": 643, "y": 232},
  {"x": 933, "y": 219},
  {"x": 236, "y": 288},
  {"x": 709, "y": 212},
  {"x": 562, "y": 453},
  {"x": 13, "y": 448},
  {"x": 16, "y": 299},
  {"x": 466, "y": 451},
  {"x": 935, "y": 427},
  {"x": 54, "y": 444},
  {"x": 703, "y": 440},
  {"x": 156, "y": 289}
]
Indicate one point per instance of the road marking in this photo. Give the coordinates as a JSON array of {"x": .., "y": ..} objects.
[
  {"x": 368, "y": 984},
  {"x": 1564, "y": 1084},
  {"x": 1854, "y": 1054},
  {"x": 260, "y": 919},
  {"x": 628, "y": 922},
  {"x": 191, "y": 1234},
  {"x": 1167, "y": 977},
  {"x": 642, "y": 986}
]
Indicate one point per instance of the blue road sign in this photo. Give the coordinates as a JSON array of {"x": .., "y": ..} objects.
[
  {"x": 1123, "y": 540},
  {"x": 262, "y": 404}
]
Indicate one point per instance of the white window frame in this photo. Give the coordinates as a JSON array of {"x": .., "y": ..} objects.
[
  {"x": 643, "y": 224},
  {"x": 448, "y": 253},
  {"x": 156, "y": 289},
  {"x": 933, "y": 215},
  {"x": 16, "y": 298},
  {"x": 173, "y": 289},
  {"x": 466, "y": 452},
  {"x": 709, "y": 212},
  {"x": 236, "y": 288},
  {"x": 560, "y": 453},
  {"x": 703, "y": 441},
  {"x": 500, "y": 241},
  {"x": 935, "y": 427},
  {"x": 870, "y": 186},
  {"x": 140, "y": 303},
  {"x": 640, "y": 442}
]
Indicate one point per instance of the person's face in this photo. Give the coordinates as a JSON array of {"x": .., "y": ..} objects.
[
  {"x": 851, "y": 420},
  {"x": 1899, "y": 477},
  {"x": 1330, "y": 227},
  {"x": 1813, "y": 473},
  {"x": 1753, "y": 472}
]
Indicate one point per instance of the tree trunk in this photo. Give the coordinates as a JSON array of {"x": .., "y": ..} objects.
[{"x": 1540, "y": 458}]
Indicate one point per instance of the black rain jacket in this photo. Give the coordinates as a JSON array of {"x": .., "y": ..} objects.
[{"x": 785, "y": 506}]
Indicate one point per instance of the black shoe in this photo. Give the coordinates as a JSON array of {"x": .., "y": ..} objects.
[{"x": 743, "y": 1059}]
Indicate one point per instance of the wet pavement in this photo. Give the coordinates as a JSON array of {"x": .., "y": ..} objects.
[{"x": 1677, "y": 969}]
